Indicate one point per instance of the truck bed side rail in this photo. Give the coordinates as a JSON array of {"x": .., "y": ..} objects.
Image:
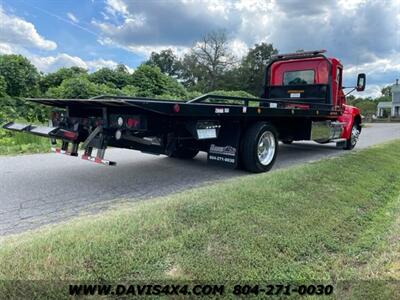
[{"x": 281, "y": 102}]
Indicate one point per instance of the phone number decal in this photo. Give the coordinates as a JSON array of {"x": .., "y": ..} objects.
[{"x": 280, "y": 289}]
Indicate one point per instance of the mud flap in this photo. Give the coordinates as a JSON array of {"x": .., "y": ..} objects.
[{"x": 224, "y": 151}]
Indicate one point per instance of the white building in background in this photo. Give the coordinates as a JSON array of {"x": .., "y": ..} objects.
[{"x": 393, "y": 106}]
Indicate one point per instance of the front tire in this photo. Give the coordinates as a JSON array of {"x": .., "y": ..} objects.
[
  {"x": 355, "y": 134},
  {"x": 259, "y": 147}
]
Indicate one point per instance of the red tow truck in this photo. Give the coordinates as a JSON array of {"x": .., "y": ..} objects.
[{"x": 302, "y": 99}]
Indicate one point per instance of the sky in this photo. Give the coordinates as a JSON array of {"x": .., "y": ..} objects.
[{"x": 363, "y": 35}]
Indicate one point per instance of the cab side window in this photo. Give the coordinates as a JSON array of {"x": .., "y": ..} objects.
[{"x": 339, "y": 77}]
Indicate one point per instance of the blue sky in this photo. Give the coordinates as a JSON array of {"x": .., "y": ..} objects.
[
  {"x": 68, "y": 24},
  {"x": 364, "y": 35}
]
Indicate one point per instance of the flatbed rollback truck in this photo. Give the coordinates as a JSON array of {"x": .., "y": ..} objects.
[{"x": 302, "y": 99}]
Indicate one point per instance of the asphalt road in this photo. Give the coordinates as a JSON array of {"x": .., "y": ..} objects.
[{"x": 44, "y": 188}]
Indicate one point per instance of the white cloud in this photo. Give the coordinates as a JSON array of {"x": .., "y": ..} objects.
[
  {"x": 380, "y": 73},
  {"x": 350, "y": 4},
  {"x": 116, "y": 6},
  {"x": 353, "y": 30},
  {"x": 359, "y": 33},
  {"x": 72, "y": 17},
  {"x": 139, "y": 24},
  {"x": 147, "y": 50},
  {"x": 93, "y": 65},
  {"x": 18, "y": 32},
  {"x": 364, "y": 35},
  {"x": 371, "y": 91},
  {"x": 17, "y": 36},
  {"x": 238, "y": 47},
  {"x": 52, "y": 63},
  {"x": 377, "y": 65},
  {"x": 6, "y": 49}
]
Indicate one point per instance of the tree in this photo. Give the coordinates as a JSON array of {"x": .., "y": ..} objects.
[
  {"x": 130, "y": 90},
  {"x": 387, "y": 91},
  {"x": 166, "y": 60},
  {"x": 192, "y": 74},
  {"x": 56, "y": 78},
  {"x": 75, "y": 88},
  {"x": 103, "y": 76},
  {"x": 3, "y": 87},
  {"x": 253, "y": 66},
  {"x": 119, "y": 77},
  {"x": 209, "y": 58},
  {"x": 151, "y": 82},
  {"x": 20, "y": 75},
  {"x": 121, "y": 68}
]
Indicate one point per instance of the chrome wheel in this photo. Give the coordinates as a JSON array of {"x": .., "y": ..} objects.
[
  {"x": 266, "y": 148},
  {"x": 355, "y": 134}
]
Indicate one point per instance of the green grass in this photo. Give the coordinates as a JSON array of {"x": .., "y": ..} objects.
[
  {"x": 12, "y": 143},
  {"x": 335, "y": 220}
]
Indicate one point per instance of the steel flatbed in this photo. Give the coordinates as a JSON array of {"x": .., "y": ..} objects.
[{"x": 205, "y": 106}]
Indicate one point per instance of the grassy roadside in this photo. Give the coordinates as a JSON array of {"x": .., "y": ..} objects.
[
  {"x": 330, "y": 221},
  {"x": 12, "y": 143}
]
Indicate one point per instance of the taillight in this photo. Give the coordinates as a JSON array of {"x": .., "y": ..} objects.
[
  {"x": 70, "y": 134},
  {"x": 131, "y": 122},
  {"x": 176, "y": 108}
]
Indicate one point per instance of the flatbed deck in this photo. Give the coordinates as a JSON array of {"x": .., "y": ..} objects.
[{"x": 204, "y": 106}]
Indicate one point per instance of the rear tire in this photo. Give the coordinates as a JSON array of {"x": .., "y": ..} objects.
[
  {"x": 259, "y": 147},
  {"x": 184, "y": 153}
]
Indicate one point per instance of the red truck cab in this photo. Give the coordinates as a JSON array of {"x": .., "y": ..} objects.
[{"x": 311, "y": 77}]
